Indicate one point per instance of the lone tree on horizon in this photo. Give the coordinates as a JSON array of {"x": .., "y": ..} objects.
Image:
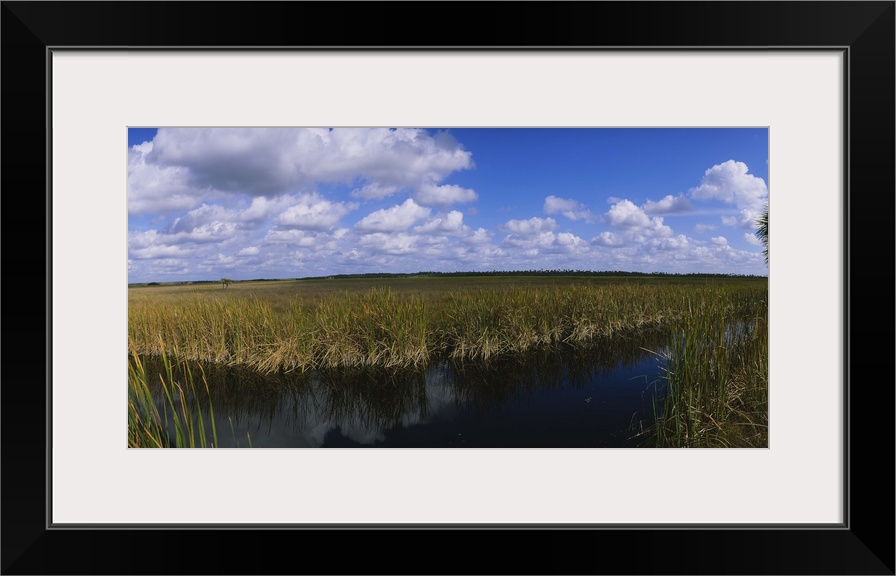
[{"x": 225, "y": 282}]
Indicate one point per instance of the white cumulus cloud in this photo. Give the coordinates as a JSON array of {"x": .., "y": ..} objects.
[
  {"x": 480, "y": 236},
  {"x": 202, "y": 216},
  {"x": 608, "y": 239},
  {"x": 394, "y": 219},
  {"x": 634, "y": 221},
  {"x": 400, "y": 243},
  {"x": 545, "y": 242},
  {"x": 624, "y": 214},
  {"x": 668, "y": 205},
  {"x": 453, "y": 222},
  {"x": 752, "y": 239},
  {"x": 262, "y": 207},
  {"x": 671, "y": 244},
  {"x": 731, "y": 182},
  {"x": 292, "y": 237},
  {"x": 155, "y": 189},
  {"x": 571, "y": 209},
  {"x": 444, "y": 195},
  {"x": 530, "y": 226},
  {"x": 183, "y": 166},
  {"x": 311, "y": 212}
]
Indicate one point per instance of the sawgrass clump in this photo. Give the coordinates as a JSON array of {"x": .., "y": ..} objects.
[
  {"x": 180, "y": 413},
  {"x": 715, "y": 392}
]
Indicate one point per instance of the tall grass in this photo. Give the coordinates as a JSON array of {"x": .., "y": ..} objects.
[
  {"x": 388, "y": 327},
  {"x": 715, "y": 393},
  {"x": 148, "y": 427}
]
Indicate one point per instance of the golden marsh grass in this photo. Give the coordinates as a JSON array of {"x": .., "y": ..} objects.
[
  {"x": 271, "y": 326},
  {"x": 715, "y": 393}
]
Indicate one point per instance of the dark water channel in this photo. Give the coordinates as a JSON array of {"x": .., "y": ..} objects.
[{"x": 597, "y": 397}]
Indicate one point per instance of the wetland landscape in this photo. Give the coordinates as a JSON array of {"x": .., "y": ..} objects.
[
  {"x": 447, "y": 288},
  {"x": 429, "y": 361}
]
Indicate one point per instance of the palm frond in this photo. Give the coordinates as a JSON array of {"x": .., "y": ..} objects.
[{"x": 762, "y": 231}]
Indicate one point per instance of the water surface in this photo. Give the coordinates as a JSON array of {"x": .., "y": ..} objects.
[{"x": 599, "y": 397}]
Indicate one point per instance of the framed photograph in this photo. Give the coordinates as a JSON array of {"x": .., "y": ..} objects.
[{"x": 815, "y": 80}]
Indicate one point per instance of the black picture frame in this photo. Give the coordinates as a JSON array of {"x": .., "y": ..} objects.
[{"x": 864, "y": 544}]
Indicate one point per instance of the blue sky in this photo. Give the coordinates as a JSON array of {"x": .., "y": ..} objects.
[{"x": 242, "y": 203}]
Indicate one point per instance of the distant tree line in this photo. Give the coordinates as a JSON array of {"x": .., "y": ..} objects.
[
  {"x": 582, "y": 273},
  {"x": 472, "y": 274}
]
